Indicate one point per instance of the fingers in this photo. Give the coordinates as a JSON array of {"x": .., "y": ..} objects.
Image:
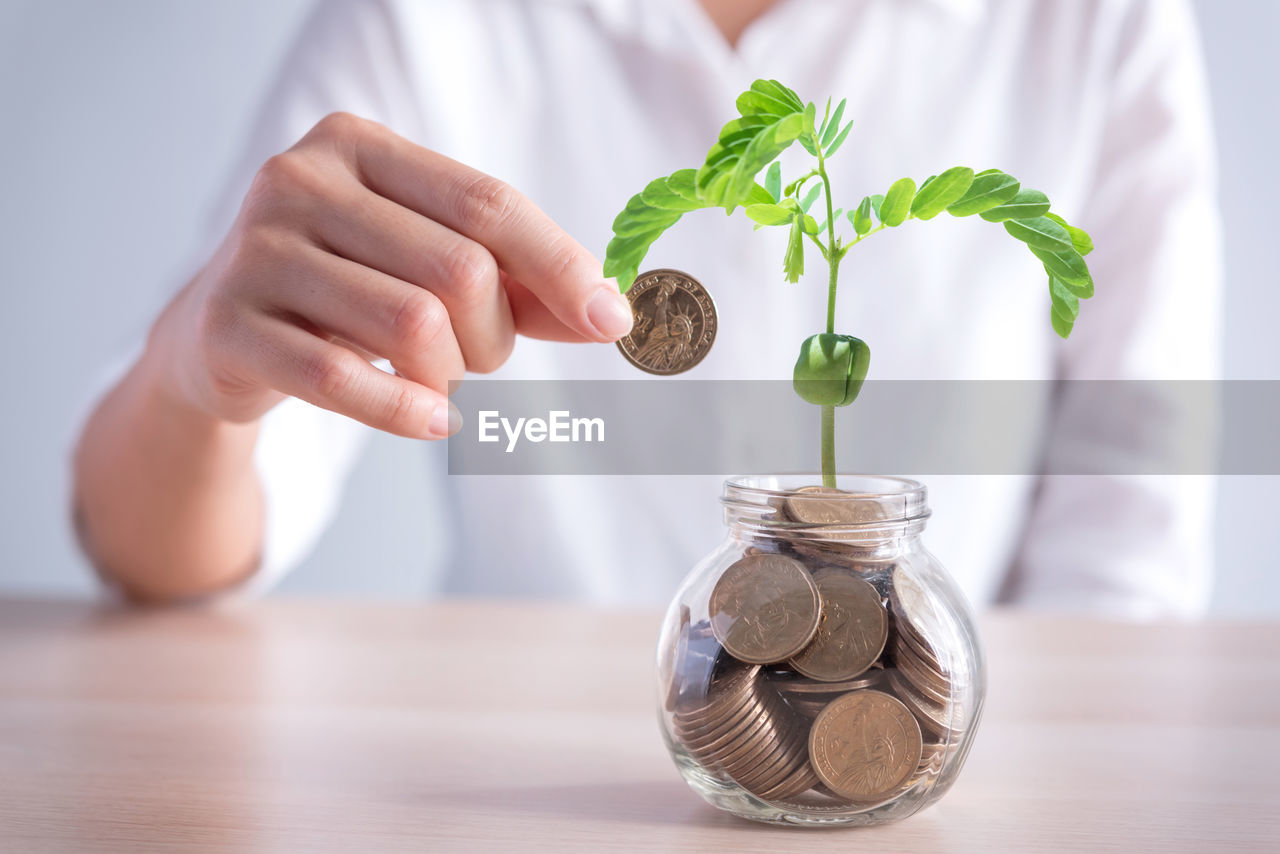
[
  {"x": 564, "y": 276},
  {"x": 299, "y": 364},
  {"x": 405, "y": 324},
  {"x": 382, "y": 235},
  {"x": 522, "y": 239},
  {"x": 533, "y": 319}
]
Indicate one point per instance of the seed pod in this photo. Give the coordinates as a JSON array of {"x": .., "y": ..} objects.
[{"x": 831, "y": 369}]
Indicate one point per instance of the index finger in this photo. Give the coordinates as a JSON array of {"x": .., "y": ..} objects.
[{"x": 526, "y": 243}]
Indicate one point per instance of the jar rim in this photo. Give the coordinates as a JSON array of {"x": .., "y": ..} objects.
[
  {"x": 852, "y": 485},
  {"x": 886, "y": 505}
]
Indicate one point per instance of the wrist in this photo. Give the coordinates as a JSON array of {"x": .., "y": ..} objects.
[{"x": 162, "y": 384}]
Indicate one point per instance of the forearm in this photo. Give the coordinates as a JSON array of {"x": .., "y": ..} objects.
[{"x": 167, "y": 501}]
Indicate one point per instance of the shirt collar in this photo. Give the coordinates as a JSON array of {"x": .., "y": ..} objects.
[
  {"x": 964, "y": 8},
  {"x": 637, "y": 19}
]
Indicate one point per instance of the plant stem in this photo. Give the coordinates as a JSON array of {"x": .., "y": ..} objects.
[
  {"x": 833, "y": 260},
  {"x": 829, "y": 445},
  {"x": 833, "y": 264}
]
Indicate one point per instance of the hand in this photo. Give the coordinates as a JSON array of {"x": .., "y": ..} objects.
[{"x": 357, "y": 244}]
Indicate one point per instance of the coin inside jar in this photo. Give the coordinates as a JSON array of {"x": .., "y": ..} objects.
[
  {"x": 790, "y": 684},
  {"x": 765, "y": 608},
  {"x": 851, "y": 633},
  {"x": 865, "y": 746},
  {"x": 675, "y": 322},
  {"x": 824, "y": 505}
]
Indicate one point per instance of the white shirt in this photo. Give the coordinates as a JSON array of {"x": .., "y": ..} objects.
[{"x": 579, "y": 103}]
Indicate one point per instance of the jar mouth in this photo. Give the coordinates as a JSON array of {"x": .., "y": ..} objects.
[{"x": 869, "y": 505}]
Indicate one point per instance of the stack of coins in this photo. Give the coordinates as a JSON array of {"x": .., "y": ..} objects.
[
  {"x": 748, "y": 734},
  {"x": 920, "y": 679},
  {"x": 811, "y": 511},
  {"x": 813, "y": 680}
]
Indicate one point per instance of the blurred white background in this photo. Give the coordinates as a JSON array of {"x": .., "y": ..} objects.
[{"x": 121, "y": 119}]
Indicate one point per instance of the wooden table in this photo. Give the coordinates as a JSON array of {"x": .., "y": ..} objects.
[{"x": 303, "y": 727}]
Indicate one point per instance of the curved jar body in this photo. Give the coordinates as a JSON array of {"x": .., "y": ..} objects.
[{"x": 820, "y": 667}]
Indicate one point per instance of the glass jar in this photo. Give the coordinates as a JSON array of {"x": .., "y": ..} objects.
[{"x": 820, "y": 667}]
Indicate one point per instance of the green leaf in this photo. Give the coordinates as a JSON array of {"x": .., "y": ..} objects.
[
  {"x": 773, "y": 181},
  {"x": 1060, "y": 325},
  {"x": 810, "y": 113},
  {"x": 835, "y": 146},
  {"x": 1041, "y": 233},
  {"x": 793, "y": 261},
  {"x": 897, "y": 202},
  {"x": 638, "y": 218},
  {"x": 745, "y": 147},
  {"x": 826, "y": 114},
  {"x": 937, "y": 194},
  {"x": 646, "y": 216},
  {"x": 877, "y": 202},
  {"x": 1068, "y": 267},
  {"x": 769, "y": 214},
  {"x": 624, "y": 255},
  {"x": 1065, "y": 304},
  {"x": 724, "y": 155},
  {"x": 658, "y": 194},
  {"x": 753, "y": 103},
  {"x": 769, "y": 98},
  {"x": 757, "y": 195},
  {"x": 1080, "y": 238},
  {"x": 1025, "y": 205},
  {"x": 776, "y": 90},
  {"x": 829, "y": 133},
  {"x": 861, "y": 218},
  {"x": 811, "y": 197},
  {"x": 808, "y": 224},
  {"x": 988, "y": 190},
  {"x": 681, "y": 182}
]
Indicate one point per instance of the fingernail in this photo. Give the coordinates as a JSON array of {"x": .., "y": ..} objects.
[
  {"x": 445, "y": 421},
  {"x": 610, "y": 313}
]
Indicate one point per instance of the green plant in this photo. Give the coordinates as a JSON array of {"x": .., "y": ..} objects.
[{"x": 831, "y": 367}]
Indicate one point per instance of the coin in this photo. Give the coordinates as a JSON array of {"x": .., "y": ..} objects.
[
  {"x": 823, "y": 505},
  {"x": 694, "y": 665},
  {"x": 809, "y": 698},
  {"x": 912, "y": 611},
  {"x": 809, "y": 707},
  {"x": 675, "y": 323},
  {"x": 795, "y": 685},
  {"x": 786, "y": 771},
  {"x": 740, "y": 742},
  {"x": 865, "y": 746},
  {"x": 773, "y": 761},
  {"x": 764, "y": 608},
  {"x": 746, "y": 732},
  {"x": 942, "y": 719},
  {"x": 726, "y": 692},
  {"x": 829, "y": 562},
  {"x": 928, "y": 679},
  {"x": 715, "y": 732},
  {"x": 801, "y": 779},
  {"x": 851, "y": 632}
]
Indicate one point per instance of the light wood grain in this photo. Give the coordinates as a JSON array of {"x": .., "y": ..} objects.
[{"x": 470, "y": 726}]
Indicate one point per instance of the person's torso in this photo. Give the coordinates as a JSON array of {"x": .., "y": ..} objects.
[{"x": 580, "y": 104}]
